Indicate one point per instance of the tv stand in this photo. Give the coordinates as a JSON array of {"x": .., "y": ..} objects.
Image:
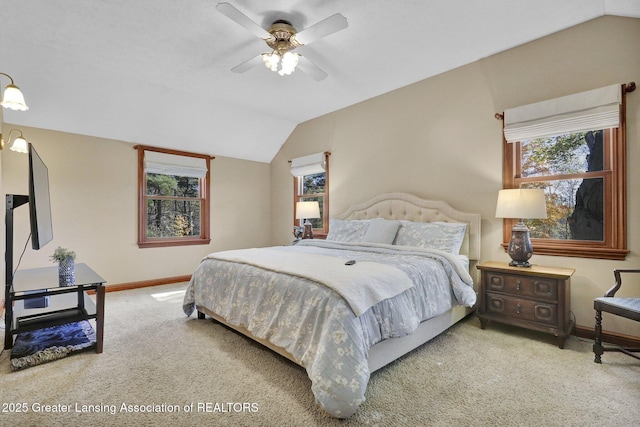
[{"x": 36, "y": 301}]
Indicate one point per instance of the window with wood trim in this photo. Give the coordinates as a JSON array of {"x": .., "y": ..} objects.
[
  {"x": 173, "y": 198},
  {"x": 583, "y": 175},
  {"x": 314, "y": 187}
]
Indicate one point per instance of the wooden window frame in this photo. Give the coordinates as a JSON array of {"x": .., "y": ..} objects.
[
  {"x": 205, "y": 185},
  {"x": 318, "y": 233},
  {"x": 614, "y": 245}
]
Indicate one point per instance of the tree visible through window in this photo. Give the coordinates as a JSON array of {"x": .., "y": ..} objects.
[
  {"x": 315, "y": 187},
  {"x": 173, "y": 198},
  {"x": 313, "y": 190},
  {"x": 582, "y": 175},
  {"x": 570, "y": 170},
  {"x": 174, "y": 207}
]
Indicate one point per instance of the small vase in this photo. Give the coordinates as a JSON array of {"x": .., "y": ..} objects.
[{"x": 66, "y": 272}]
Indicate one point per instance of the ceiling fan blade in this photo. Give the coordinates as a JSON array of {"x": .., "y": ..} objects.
[
  {"x": 247, "y": 65},
  {"x": 311, "y": 69},
  {"x": 241, "y": 19},
  {"x": 331, "y": 25}
]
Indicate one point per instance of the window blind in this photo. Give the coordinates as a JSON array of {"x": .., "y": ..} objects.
[
  {"x": 172, "y": 164},
  {"x": 590, "y": 110},
  {"x": 308, "y": 165}
]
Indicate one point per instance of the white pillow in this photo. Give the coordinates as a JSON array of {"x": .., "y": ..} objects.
[
  {"x": 444, "y": 236},
  {"x": 381, "y": 230},
  {"x": 341, "y": 230}
]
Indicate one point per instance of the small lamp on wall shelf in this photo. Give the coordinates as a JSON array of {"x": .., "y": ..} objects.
[
  {"x": 521, "y": 204},
  {"x": 306, "y": 211}
]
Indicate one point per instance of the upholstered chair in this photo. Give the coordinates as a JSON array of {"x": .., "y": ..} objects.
[{"x": 624, "y": 307}]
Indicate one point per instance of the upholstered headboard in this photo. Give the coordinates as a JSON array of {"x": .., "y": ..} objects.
[{"x": 411, "y": 208}]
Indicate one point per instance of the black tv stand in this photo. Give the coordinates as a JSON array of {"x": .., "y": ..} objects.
[{"x": 64, "y": 304}]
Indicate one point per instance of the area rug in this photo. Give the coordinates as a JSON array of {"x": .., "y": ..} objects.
[{"x": 48, "y": 344}]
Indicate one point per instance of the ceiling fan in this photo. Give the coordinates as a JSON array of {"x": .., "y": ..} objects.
[{"x": 283, "y": 38}]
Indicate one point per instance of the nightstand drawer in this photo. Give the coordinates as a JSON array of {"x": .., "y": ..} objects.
[
  {"x": 534, "y": 287},
  {"x": 521, "y": 309}
]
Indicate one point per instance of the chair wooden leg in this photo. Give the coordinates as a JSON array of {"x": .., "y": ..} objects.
[{"x": 597, "y": 345}]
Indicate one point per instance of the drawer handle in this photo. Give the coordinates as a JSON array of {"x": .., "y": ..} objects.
[
  {"x": 518, "y": 307},
  {"x": 518, "y": 283}
]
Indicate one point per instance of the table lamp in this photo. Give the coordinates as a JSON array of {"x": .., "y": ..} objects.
[
  {"x": 521, "y": 204},
  {"x": 306, "y": 211}
]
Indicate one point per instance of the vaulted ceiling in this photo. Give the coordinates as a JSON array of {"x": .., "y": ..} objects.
[{"x": 158, "y": 72}]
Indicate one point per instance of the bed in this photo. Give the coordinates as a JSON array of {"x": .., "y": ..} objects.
[{"x": 412, "y": 279}]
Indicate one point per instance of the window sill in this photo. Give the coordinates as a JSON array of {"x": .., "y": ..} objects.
[
  {"x": 168, "y": 243},
  {"x": 576, "y": 251}
]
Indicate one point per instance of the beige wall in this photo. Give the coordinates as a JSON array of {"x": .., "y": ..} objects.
[
  {"x": 93, "y": 187},
  {"x": 439, "y": 139}
]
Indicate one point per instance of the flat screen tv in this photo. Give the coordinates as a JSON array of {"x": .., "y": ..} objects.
[{"x": 39, "y": 201}]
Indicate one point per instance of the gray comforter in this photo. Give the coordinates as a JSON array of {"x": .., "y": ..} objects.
[{"x": 314, "y": 322}]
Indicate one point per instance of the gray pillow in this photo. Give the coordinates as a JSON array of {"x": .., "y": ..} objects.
[
  {"x": 445, "y": 236},
  {"x": 341, "y": 230},
  {"x": 381, "y": 231}
]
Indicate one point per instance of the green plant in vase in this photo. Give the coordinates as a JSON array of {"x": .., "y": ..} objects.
[{"x": 66, "y": 266}]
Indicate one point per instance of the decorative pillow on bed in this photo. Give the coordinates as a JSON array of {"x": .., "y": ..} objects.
[
  {"x": 444, "y": 236},
  {"x": 341, "y": 230},
  {"x": 381, "y": 231}
]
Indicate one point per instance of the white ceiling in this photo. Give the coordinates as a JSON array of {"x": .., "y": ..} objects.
[{"x": 157, "y": 72}]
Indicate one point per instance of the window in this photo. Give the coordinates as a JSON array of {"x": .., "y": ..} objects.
[
  {"x": 583, "y": 176},
  {"x": 173, "y": 198},
  {"x": 312, "y": 185}
]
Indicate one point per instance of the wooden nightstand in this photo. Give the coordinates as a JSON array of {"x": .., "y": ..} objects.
[{"x": 533, "y": 297}]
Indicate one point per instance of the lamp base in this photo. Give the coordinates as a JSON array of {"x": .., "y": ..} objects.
[
  {"x": 520, "y": 248},
  {"x": 308, "y": 230},
  {"x": 515, "y": 263}
]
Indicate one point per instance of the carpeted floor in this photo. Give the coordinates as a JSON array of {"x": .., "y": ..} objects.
[{"x": 161, "y": 368}]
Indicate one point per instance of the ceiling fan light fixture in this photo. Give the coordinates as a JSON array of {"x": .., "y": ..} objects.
[
  {"x": 288, "y": 64},
  {"x": 271, "y": 60},
  {"x": 282, "y": 38}
]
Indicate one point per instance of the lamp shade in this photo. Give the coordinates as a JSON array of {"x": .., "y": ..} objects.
[
  {"x": 307, "y": 210},
  {"x": 521, "y": 203},
  {"x": 20, "y": 145},
  {"x": 13, "y": 99}
]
